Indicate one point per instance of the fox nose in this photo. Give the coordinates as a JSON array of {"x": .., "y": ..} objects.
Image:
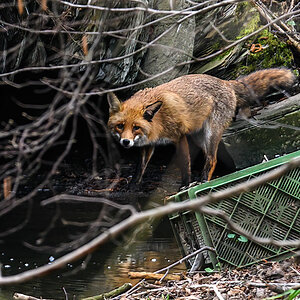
[{"x": 125, "y": 142}]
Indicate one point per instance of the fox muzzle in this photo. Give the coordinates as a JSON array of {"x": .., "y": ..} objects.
[{"x": 126, "y": 143}]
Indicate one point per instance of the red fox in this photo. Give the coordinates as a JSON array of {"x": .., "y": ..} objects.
[{"x": 198, "y": 105}]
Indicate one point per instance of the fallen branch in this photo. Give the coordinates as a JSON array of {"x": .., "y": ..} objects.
[
  {"x": 149, "y": 276},
  {"x": 166, "y": 269},
  {"x": 19, "y": 296},
  {"x": 116, "y": 292}
]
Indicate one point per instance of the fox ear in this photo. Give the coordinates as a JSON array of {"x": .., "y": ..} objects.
[
  {"x": 151, "y": 110},
  {"x": 114, "y": 103}
]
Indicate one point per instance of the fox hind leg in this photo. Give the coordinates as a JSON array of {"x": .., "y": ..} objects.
[
  {"x": 184, "y": 160},
  {"x": 208, "y": 141},
  {"x": 209, "y": 166}
]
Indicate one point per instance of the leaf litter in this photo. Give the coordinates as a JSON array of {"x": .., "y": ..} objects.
[{"x": 266, "y": 280}]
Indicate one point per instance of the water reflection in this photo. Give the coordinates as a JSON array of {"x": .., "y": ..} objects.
[
  {"x": 105, "y": 270},
  {"x": 146, "y": 256}
]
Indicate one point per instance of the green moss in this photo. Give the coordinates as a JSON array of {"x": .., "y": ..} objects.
[
  {"x": 250, "y": 22},
  {"x": 216, "y": 46},
  {"x": 239, "y": 60},
  {"x": 275, "y": 53},
  {"x": 296, "y": 73},
  {"x": 251, "y": 26},
  {"x": 243, "y": 8}
]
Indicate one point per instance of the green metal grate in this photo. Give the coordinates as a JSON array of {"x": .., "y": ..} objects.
[{"x": 269, "y": 211}]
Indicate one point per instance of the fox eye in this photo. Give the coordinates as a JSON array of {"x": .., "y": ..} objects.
[
  {"x": 120, "y": 126},
  {"x": 136, "y": 127}
]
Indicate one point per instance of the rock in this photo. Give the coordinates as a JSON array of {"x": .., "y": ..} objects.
[
  {"x": 272, "y": 133},
  {"x": 175, "y": 46}
]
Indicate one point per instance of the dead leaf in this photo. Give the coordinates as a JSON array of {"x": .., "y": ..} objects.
[
  {"x": 84, "y": 45},
  {"x": 20, "y": 7},
  {"x": 44, "y": 5},
  {"x": 7, "y": 186}
]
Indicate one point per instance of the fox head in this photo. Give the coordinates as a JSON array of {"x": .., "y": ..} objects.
[{"x": 131, "y": 121}]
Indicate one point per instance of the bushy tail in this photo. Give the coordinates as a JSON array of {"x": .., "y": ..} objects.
[{"x": 251, "y": 88}]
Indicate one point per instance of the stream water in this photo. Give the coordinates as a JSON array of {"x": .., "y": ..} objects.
[
  {"x": 149, "y": 249},
  {"x": 106, "y": 269}
]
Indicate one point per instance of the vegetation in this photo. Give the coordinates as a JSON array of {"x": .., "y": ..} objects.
[{"x": 274, "y": 53}]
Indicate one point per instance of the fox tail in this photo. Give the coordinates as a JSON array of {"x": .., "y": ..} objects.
[{"x": 253, "y": 87}]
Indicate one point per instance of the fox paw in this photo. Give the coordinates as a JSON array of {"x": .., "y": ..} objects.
[
  {"x": 183, "y": 188},
  {"x": 194, "y": 183}
]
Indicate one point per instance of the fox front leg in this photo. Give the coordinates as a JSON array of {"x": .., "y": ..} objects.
[
  {"x": 208, "y": 141},
  {"x": 146, "y": 154}
]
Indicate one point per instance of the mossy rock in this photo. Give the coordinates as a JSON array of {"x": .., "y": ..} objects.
[
  {"x": 238, "y": 60},
  {"x": 232, "y": 22}
]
